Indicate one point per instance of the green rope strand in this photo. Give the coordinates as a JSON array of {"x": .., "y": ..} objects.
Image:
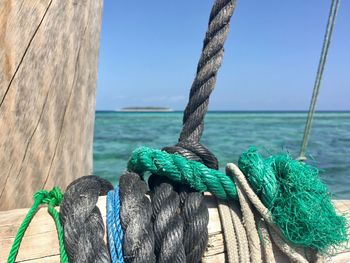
[
  {"x": 181, "y": 170},
  {"x": 52, "y": 199}
]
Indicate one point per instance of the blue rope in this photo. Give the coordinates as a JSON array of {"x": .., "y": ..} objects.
[{"x": 114, "y": 229}]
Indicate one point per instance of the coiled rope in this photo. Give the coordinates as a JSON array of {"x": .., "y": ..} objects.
[
  {"x": 301, "y": 219},
  {"x": 82, "y": 221},
  {"x": 326, "y": 43},
  {"x": 52, "y": 199},
  {"x": 301, "y": 207},
  {"x": 263, "y": 251},
  {"x": 114, "y": 228}
]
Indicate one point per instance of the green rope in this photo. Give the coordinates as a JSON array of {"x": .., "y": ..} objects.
[
  {"x": 298, "y": 200},
  {"x": 181, "y": 170},
  {"x": 326, "y": 43},
  {"x": 52, "y": 199}
]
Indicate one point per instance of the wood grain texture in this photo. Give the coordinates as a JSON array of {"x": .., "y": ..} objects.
[
  {"x": 40, "y": 243},
  {"x": 48, "y": 60}
]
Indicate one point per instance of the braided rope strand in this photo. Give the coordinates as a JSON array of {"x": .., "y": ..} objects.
[
  {"x": 82, "y": 220},
  {"x": 136, "y": 220},
  {"x": 168, "y": 225},
  {"x": 111, "y": 228},
  {"x": 114, "y": 229},
  {"x": 181, "y": 170},
  {"x": 208, "y": 66},
  {"x": 196, "y": 219},
  {"x": 118, "y": 224}
]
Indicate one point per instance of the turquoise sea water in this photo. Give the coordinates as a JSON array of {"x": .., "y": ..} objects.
[{"x": 227, "y": 135}]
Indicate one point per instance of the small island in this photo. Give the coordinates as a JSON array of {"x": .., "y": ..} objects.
[{"x": 146, "y": 109}]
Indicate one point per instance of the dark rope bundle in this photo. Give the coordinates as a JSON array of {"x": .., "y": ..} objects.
[
  {"x": 82, "y": 221},
  {"x": 194, "y": 211},
  {"x": 179, "y": 213},
  {"x": 136, "y": 220}
]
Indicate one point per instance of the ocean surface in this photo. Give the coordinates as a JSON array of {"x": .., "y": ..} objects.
[{"x": 227, "y": 135}]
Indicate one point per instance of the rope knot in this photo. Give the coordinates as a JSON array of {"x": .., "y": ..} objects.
[
  {"x": 54, "y": 197},
  {"x": 195, "y": 151}
]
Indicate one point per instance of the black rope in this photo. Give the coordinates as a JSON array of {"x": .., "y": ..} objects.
[
  {"x": 168, "y": 225},
  {"x": 136, "y": 220},
  {"x": 194, "y": 211},
  {"x": 207, "y": 69},
  {"x": 82, "y": 221},
  {"x": 196, "y": 217}
]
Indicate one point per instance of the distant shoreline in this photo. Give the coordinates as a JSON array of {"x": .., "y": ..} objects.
[{"x": 145, "y": 109}]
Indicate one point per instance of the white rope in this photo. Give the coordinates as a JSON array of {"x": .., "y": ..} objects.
[{"x": 253, "y": 242}]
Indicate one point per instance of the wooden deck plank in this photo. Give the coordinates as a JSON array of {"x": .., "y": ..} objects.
[{"x": 40, "y": 243}]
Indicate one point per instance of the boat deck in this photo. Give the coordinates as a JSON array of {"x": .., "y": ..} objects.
[{"x": 40, "y": 242}]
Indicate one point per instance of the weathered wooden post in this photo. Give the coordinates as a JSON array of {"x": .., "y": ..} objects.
[{"x": 48, "y": 71}]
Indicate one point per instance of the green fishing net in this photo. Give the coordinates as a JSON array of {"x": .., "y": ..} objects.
[{"x": 298, "y": 200}]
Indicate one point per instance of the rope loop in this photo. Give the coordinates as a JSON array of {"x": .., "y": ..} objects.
[
  {"x": 195, "y": 151},
  {"x": 52, "y": 199},
  {"x": 181, "y": 170}
]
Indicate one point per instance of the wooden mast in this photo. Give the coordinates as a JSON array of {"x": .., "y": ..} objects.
[{"x": 48, "y": 71}]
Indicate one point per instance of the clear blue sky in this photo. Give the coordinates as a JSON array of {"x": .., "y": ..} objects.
[{"x": 149, "y": 52}]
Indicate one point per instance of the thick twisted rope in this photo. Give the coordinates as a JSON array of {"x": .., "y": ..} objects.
[
  {"x": 208, "y": 66},
  {"x": 167, "y": 220},
  {"x": 114, "y": 229},
  {"x": 52, "y": 199},
  {"x": 168, "y": 225},
  {"x": 196, "y": 217},
  {"x": 82, "y": 221},
  {"x": 181, "y": 170},
  {"x": 136, "y": 220}
]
